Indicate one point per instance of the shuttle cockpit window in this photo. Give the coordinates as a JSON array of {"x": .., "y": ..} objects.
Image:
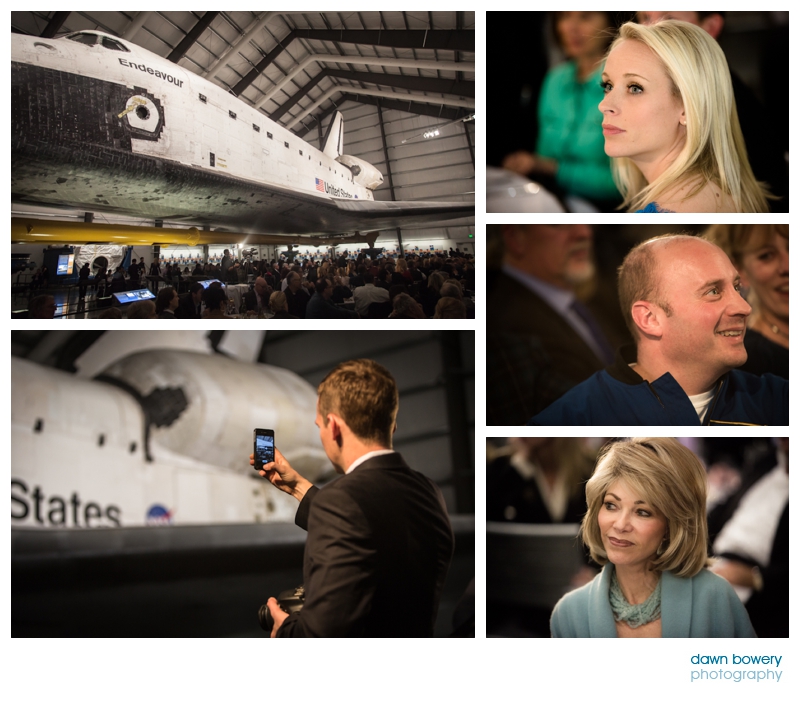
[
  {"x": 84, "y": 38},
  {"x": 114, "y": 45}
]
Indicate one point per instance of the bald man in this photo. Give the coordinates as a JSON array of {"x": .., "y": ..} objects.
[
  {"x": 680, "y": 298},
  {"x": 257, "y": 299}
]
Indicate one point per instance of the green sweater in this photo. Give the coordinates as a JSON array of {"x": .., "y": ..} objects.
[{"x": 570, "y": 132}]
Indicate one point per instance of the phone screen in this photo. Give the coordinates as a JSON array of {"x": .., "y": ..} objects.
[{"x": 264, "y": 447}]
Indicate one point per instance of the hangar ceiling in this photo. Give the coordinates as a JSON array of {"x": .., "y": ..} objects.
[{"x": 393, "y": 75}]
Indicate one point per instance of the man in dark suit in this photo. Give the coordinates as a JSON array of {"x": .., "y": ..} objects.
[
  {"x": 534, "y": 300},
  {"x": 257, "y": 299},
  {"x": 379, "y": 538},
  {"x": 190, "y": 304}
]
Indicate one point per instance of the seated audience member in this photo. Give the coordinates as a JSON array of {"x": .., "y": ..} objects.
[
  {"x": 406, "y": 307},
  {"x": 752, "y": 546},
  {"x": 279, "y": 306},
  {"x": 760, "y": 252},
  {"x": 167, "y": 302},
  {"x": 534, "y": 298},
  {"x": 320, "y": 305},
  {"x": 570, "y": 150},
  {"x": 432, "y": 293},
  {"x": 190, "y": 307},
  {"x": 646, "y": 525},
  {"x": 450, "y": 308},
  {"x": 296, "y": 297},
  {"x": 216, "y": 300},
  {"x": 368, "y": 293},
  {"x": 452, "y": 288},
  {"x": 764, "y": 143},
  {"x": 144, "y": 309},
  {"x": 680, "y": 296},
  {"x": 539, "y": 480},
  {"x": 42, "y": 307},
  {"x": 111, "y": 313},
  {"x": 257, "y": 299}
]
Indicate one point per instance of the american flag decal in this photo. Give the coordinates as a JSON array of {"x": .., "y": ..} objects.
[{"x": 320, "y": 184}]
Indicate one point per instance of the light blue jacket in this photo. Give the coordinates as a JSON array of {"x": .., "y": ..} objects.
[{"x": 703, "y": 606}]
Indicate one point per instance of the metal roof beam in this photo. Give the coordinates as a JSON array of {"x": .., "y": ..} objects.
[
  {"x": 54, "y": 25},
  {"x": 418, "y": 108},
  {"x": 194, "y": 34},
  {"x": 449, "y": 39},
  {"x": 405, "y": 82}
]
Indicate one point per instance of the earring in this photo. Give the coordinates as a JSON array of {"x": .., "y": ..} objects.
[{"x": 662, "y": 546}]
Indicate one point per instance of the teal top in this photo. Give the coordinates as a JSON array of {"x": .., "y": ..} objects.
[
  {"x": 571, "y": 132},
  {"x": 703, "y": 606}
]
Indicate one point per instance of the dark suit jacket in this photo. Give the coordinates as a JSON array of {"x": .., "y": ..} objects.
[
  {"x": 513, "y": 308},
  {"x": 378, "y": 549},
  {"x": 186, "y": 308}
]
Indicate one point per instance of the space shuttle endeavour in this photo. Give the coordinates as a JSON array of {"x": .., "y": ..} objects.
[{"x": 100, "y": 124}]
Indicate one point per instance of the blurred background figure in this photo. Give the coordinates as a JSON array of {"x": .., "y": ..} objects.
[
  {"x": 570, "y": 158},
  {"x": 750, "y": 536},
  {"x": 548, "y": 324},
  {"x": 539, "y": 480},
  {"x": 760, "y": 252},
  {"x": 535, "y": 500},
  {"x": 762, "y": 135}
]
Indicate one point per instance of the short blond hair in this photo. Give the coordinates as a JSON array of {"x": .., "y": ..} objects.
[
  {"x": 364, "y": 394},
  {"x": 672, "y": 480},
  {"x": 277, "y": 301},
  {"x": 637, "y": 279}
]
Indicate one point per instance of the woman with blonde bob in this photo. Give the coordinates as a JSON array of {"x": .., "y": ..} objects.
[
  {"x": 670, "y": 123},
  {"x": 646, "y": 524}
]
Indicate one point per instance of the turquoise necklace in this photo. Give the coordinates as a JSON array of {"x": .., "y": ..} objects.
[{"x": 634, "y": 615}]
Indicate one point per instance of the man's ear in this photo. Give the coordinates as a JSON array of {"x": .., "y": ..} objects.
[
  {"x": 647, "y": 317},
  {"x": 335, "y": 427}
]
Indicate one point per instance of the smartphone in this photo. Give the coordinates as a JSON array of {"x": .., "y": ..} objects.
[{"x": 263, "y": 447}]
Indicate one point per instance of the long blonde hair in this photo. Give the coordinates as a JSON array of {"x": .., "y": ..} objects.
[{"x": 714, "y": 150}]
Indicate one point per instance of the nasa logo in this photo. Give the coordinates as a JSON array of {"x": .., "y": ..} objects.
[{"x": 158, "y": 515}]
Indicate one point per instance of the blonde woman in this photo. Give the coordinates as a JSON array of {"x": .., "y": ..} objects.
[
  {"x": 646, "y": 524},
  {"x": 760, "y": 253},
  {"x": 670, "y": 123}
]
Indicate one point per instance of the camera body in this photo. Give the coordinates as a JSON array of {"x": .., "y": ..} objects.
[{"x": 291, "y": 601}]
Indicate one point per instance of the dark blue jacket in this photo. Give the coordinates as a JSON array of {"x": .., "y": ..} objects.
[{"x": 618, "y": 396}]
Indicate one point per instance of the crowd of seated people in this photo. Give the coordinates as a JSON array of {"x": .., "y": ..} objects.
[
  {"x": 382, "y": 288},
  {"x": 426, "y": 286}
]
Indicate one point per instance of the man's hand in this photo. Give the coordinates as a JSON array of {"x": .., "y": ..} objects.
[
  {"x": 282, "y": 476},
  {"x": 278, "y": 615}
]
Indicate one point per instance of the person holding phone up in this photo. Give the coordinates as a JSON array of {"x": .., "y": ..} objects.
[{"x": 379, "y": 539}]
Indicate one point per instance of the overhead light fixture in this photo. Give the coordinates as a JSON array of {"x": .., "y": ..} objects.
[{"x": 430, "y": 134}]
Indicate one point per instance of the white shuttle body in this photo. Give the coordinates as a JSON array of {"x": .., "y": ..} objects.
[
  {"x": 159, "y": 437},
  {"x": 101, "y": 124}
]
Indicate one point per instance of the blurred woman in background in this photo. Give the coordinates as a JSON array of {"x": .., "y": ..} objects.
[
  {"x": 538, "y": 480},
  {"x": 760, "y": 252},
  {"x": 570, "y": 144}
]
